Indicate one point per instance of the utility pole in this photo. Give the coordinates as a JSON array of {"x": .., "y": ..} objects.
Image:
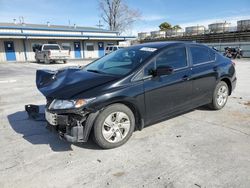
[{"x": 99, "y": 25}]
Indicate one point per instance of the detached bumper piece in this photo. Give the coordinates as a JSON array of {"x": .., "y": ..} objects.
[{"x": 33, "y": 112}]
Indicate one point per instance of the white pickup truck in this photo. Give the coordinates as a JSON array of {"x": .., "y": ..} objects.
[{"x": 51, "y": 53}]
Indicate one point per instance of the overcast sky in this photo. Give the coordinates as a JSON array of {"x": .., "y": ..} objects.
[{"x": 154, "y": 12}]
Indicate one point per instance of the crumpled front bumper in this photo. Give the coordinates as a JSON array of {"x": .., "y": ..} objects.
[
  {"x": 73, "y": 134},
  {"x": 69, "y": 126},
  {"x": 72, "y": 125}
]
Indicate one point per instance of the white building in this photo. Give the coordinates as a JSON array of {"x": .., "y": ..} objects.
[
  {"x": 17, "y": 41},
  {"x": 143, "y": 35},
  {"x": 158, "y": 34}
]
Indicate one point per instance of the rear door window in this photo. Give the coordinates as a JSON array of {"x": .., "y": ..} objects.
[
  {"x": 200, "y": 54},
  {"x": 212, "y": 55}
]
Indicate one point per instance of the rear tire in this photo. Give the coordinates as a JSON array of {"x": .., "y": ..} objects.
[
  {"x": 113, "y": 126},
  {"x": 220, "y": 96}
]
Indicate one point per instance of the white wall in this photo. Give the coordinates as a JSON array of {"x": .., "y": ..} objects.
[
  {"x": 2, "y": 52},
  {"x": 20, "y": 54},
  {"x": 19, "y": 49},
  {"x": 95, "y": 53}
]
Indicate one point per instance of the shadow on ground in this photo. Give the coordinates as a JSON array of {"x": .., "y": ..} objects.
[{"x": 36, "y": 133}]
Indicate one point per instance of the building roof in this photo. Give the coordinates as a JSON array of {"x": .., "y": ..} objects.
[
  {"x": 52, "y": 27},
  {"x": 47, "y": 31}
]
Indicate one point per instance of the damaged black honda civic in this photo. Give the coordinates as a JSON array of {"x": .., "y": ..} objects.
[{"x": 134, "y": 87}]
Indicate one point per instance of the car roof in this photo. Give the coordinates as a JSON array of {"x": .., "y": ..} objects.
[
  {"x": 159, "y": 45},
  {"x": 51, "y": 44}
]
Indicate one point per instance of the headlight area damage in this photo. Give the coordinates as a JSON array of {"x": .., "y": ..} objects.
[
  {"x": 73, "y": 124},
  {"x": 67, "y": 111}
]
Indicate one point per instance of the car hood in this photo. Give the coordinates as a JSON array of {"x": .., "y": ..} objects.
[{"x": 66, "y": 83}]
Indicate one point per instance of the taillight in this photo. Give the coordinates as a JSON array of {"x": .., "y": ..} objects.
[{"x": 233, "y": 63}]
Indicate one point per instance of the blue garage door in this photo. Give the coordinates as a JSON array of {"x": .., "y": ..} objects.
[
  {"x": 101, "y": 49},
  {"x": 10, "y": 51},
  {"x": 77, "y": 49}
]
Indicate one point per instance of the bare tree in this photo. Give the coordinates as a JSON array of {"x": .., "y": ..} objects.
[{"x": 117, "y": 14}]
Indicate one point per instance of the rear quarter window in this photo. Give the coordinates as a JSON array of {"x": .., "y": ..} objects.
[
  {"x": 212, "y": 55},
  {"x": 201, "y": 54}
]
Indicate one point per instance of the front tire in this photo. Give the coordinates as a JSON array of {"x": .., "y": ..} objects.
[
  {"x": 220, "y": 96},
  {"x": 114, "y": 126},
  {"x": 46, "y": 60}
]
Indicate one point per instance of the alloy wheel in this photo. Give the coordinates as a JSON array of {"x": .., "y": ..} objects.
[
  {"x": 116, "y": 127},
  {"x": 222, "y": 95}
]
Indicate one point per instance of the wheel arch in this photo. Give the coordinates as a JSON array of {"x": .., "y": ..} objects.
[
  {"x": 136, "y": 112},
  {"x": 228, "y": 82},
  {"x": 139, "y": 122},
  {"x": 132, "y": 106}
]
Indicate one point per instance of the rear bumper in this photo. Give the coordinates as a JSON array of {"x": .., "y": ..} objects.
[{"x": 58, "y": 58}]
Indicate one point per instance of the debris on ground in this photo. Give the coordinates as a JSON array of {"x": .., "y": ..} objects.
[
  {"x": 118, "y": 174},
  {"x": 247, "y": 103},
  {"x": 33, "y": 112},
  {"x": 197, "y": 185}
]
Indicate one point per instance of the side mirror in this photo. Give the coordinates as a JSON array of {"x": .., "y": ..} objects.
[{"x": 164, "y": 70}]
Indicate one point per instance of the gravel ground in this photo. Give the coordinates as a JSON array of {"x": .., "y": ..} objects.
[{"x": 202, "y": 148}]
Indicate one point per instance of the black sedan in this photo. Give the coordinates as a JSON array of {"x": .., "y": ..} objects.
[{"x": 134, "y": 87}]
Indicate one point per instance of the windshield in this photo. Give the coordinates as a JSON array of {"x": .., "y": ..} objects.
[{"x": 121, "y": 62}]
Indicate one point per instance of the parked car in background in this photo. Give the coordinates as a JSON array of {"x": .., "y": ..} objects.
[
  {"x": 112, "y": 48},
  {"x": 134, "y": 87},
  {"x": 48, "y": 53}
]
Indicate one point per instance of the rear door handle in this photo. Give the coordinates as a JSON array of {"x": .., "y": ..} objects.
[{"x": 185, "y": 77}]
